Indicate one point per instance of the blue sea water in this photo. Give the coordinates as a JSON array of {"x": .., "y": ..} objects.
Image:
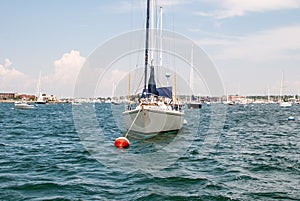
[{"x": 234, "y": 153}]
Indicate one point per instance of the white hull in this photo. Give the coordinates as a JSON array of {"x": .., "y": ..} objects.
[
  {"x": 153, "y": 120},
  {"x": 24, "y": 106},
  {"x": 285, "y": 104},
  {"x": 40, "y": 100}
]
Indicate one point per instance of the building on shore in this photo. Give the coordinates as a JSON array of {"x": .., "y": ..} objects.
[
  {"x": 13, "y": 96},
  {"x": 8, "y": 96}
]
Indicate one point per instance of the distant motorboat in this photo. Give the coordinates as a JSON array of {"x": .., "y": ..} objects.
[
  {"x": 285, "y": 104},
  {"x": 228, "y": 103},
  {"x": 40, "y": 100},
  {"x": 23, "y": 105},
  {"x": 116, "y": 102},
  {"x": 194, "y": 105},
  {"x": 207, "y": 103},
  {"x": 76, "y": 103}
]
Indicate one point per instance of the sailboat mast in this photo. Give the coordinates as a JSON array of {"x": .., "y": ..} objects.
[
  {"x": 146, "y": 45},
  {"x": 269, "y": 99},
  {"x": 192, "y": 74},
  {"x": 39, "y": 88},
  {"x": 152, "y": 32},
  {"x": 128, "y": 96},
  {"x": 281, "y": 87},
  {"x": 160, "y": 44},
  {"x": 174, "y": 94}
]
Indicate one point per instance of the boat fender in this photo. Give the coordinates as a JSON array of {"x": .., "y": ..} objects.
[
  {"x": 122, "y": 142},
  {"x": 291, "y": 118}
]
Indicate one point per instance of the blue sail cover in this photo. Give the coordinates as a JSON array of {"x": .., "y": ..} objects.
[
  {"x": 162, "y": 91},
  {"x": 152, "y": 83},
  {"x": 165, "y": 92}
]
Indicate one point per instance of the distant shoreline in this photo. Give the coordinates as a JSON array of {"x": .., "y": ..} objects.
[{"x": 13, "y": 101}]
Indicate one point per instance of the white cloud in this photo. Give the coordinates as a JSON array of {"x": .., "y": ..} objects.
[
  {"x": 110, "y": 78},
  {"x": 214, "y": 42},
  {"x": 130, "y": 6},
  {"x": 173, "y": 2},
  {"x": 66, "y": 70},
  {"x": 67, "y": 67},
  {"x": 256, "y": 60},
  {"x": 7, "y": 63},
  {"x": 270, "y": 45},
  {"x": 60, "y": 83},
  {"x": 7, "y": 73},
  {"x": 232, "y": 8},
  {"x": 12, "y": 80}
]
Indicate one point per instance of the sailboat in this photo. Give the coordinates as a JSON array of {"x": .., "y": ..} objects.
[
  {"x": 40, "y": 98},
  {"x": 156, "y": 111},
  {"x": 269, "y": 99},
  {"x": 192, "y": 104},
  {"x": 114, "y": 100},
  {"x": 282, "y": 102}
]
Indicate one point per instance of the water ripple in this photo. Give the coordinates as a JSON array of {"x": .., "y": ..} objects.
[{"x": 256, "y": 157}]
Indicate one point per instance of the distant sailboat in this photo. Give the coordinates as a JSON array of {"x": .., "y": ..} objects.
[
  {"x": 192, "y": 104},
  {"x": 282, "y": 102},
  {"x": 228, "y": 102},
  {"x": 40, "y": 97},
  {"x": 153, "y": 114},
  {"x": 114, "y": 100}
]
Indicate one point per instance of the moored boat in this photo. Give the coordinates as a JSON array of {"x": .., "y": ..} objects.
[
  {"x": 194, "y": 105},
  {"x": 285, "y": 104},
  {"x": 157, "y": 111}
]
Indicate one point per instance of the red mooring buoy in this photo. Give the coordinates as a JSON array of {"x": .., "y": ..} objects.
[{"x": 122, "y": 142}]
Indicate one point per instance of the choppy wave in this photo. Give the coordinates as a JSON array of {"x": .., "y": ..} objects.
[{"x": 256, "y": 157}]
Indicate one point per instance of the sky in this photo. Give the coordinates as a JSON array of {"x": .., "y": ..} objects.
[{"x": 251, "y": 42}]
